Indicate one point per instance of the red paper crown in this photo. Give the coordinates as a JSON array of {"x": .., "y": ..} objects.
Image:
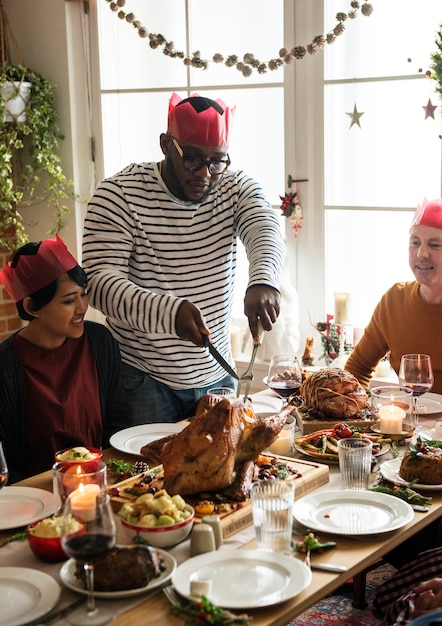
[
  {"x": 429, "y": 213},
  {"x": 35, "y": 271},
  {"x": 200, "y": 121}
]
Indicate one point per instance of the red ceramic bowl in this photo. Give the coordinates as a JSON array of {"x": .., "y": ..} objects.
[
  {"x": 47, "y": 548},
  {"x": 86, "y": 465}
]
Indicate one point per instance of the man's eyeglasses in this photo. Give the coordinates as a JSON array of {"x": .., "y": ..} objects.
[{"x": 194, "y": 163}]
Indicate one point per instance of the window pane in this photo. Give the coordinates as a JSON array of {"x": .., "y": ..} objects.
[
  {"x": 393, "y": 158},
  {"x": 367, "y": 252},
  {"x": 381, "y": 44},
  {"x": 233, "y": 30},
  {"x": 126, "y": 60}
]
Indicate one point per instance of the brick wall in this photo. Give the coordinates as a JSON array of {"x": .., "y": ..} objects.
[{"x": 9, "y": 319}]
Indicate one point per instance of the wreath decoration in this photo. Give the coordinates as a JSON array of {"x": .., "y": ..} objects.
[{"x": 249, "y": 62}]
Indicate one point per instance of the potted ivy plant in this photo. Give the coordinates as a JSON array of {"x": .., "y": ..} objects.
[{"x": 30, "y": 168}]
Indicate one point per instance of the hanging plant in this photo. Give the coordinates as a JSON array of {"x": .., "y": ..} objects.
[{"x": 30, "y": 168}]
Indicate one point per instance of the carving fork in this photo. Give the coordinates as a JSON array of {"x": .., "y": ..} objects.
[{"x": 247, "y": 377}]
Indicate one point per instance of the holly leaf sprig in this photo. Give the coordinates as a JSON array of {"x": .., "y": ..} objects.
[
  {"x": 204, "y": 612},
  {"x": 312, "y": 542},
  {"x": 404, "y": 493},
  {"x": 20, "y": 536}
]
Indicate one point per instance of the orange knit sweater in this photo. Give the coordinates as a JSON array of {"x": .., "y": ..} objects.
[{"x": 401, "y": 323}]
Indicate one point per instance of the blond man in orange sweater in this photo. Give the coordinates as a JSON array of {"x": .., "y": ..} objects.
[{"x": 408, "y": 318}]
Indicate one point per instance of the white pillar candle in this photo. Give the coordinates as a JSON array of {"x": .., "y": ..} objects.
[
  {"x": 342, "y": 308},
  {"x": 283, "y": 444},
  {"x": 83, "y": 501},
  {"x": 390, "y": 419},
  {"x": 235, "y": 341}
]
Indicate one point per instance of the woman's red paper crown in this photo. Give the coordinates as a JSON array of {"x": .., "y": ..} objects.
[
  {"x": 200, "y": 121},
  {"x": 35, "y": 271},
  {"x": 429, "y": 213}
]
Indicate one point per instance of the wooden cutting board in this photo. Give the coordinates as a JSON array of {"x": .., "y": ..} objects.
[{"x": 308, "y": 475}]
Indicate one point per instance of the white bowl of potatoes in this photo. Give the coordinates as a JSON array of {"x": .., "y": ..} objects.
[{"x": 158, "y": 519}]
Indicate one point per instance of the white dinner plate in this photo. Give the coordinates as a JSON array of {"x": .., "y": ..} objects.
[
  {"x": 132, "y": 439},
  {"x": 390, "y": 471},
  {"x": 429, "y": 403},
  {"x": 244, "y": 579},
  {"x": 266, "y": 405},
  {"x": 349, "y": 512},
  {"x": 429, "y": 435},
  {"x": 20, "y": 506},
  {"x": 26, "y": 595},
  {"x": 67, "y": 575}
]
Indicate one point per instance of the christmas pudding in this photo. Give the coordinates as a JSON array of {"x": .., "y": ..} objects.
[{"x": 423, "y": 462}]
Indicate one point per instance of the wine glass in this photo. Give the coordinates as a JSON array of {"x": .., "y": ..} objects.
[
  {"x": 95, "y": 539},
  {"x": 284, "y": 377},
  {"x": 4, "y": 474},
  {"x": 416, "y": 373}
]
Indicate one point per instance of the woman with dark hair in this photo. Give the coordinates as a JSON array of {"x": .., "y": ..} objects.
[{"x": 59, "y": 375}]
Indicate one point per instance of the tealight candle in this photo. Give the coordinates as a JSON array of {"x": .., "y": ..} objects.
[
  {"x": 283, "y": 444},
  {"x": 390, "y": 419},
  {"x": 83, "y": 501}
]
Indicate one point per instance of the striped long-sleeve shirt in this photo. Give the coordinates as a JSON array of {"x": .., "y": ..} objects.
[{"x": 145, "y": 251}]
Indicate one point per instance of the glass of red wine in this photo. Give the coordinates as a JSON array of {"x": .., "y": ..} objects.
[
  {"x": 416, "y": 373},
  {"x": 88, "y": 534},
  {"x": 284, "y": 376},
  {"x": 4, "y": 474}
]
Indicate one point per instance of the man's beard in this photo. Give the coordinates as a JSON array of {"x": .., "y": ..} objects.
[{"x": 174, "y": 186}]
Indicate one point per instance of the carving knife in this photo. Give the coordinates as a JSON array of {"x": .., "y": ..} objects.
[{"x": 217, "y": 356}]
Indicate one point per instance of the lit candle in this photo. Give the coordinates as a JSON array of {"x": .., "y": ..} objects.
[
  {"x": 390, "y": 419},
  {"x": 83, "y": 501},
  {"x": 283, "y": 444},
  {"x": 342, "y": 308}
]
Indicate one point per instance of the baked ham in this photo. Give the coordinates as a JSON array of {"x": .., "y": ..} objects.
[
  {"x": 124, "y": 568},
  {"x": 334, "y": 392},
  {"x": 214, "y": 452}
]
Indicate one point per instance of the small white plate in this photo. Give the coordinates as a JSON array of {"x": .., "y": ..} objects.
[
  {"x": 429, "y": 403},
  {"x": 390, "y": 471},
  {"x": 20, "y": 506},
  {"x": 352, "y": 513},
  {"x": 67, "y": 575},
  {"x": 244, "y": 579},
  {"x": 131, "y": 440},
  {"x": 27, "y": 594}
]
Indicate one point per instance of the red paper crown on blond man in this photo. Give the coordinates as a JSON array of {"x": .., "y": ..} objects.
[
  {"x": 200, "y": 121},
  {"x": 35, "y": 271},
  {"x": 429, "y": 213}
]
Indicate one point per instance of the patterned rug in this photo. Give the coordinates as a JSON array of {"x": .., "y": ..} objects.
[{"x": 337, "y": 608}]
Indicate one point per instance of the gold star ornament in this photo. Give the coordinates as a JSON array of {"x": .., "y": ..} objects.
[{"x": 355, "y": 116}]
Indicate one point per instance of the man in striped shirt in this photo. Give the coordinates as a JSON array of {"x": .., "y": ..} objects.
[{"x": 159, "y": 249}]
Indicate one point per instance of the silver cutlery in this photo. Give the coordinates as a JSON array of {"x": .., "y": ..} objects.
[
  {"x": 173, "y": 596},
  {"x": 325, "y": 567}
]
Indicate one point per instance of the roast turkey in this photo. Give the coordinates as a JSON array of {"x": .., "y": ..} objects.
[
  {"x": 215, "y": 450},
  {"x": 334, "y": 392}
]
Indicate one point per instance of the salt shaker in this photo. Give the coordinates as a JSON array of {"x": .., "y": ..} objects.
[
  {"x": 214, "y": 522},
  {"x": 438, "y": 430},
  {"x": 202, "y": 539}
]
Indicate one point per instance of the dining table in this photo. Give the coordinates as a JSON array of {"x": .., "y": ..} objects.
[{"x": 357, "y": 553}]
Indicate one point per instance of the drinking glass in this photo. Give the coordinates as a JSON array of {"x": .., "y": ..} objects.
[
  {"x": 416, "y": 373},
  {"x": 284, "y": 376},
  {"x": 4, "y": 473},
  {"x": 91, "y": 507}
]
